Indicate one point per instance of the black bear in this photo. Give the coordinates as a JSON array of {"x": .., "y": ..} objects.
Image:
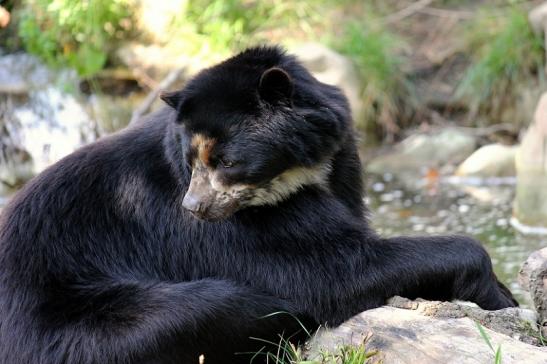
[{"x": 210, "y": 225}]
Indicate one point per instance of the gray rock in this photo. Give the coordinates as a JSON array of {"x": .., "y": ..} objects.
[
  {"x": 21, "y": 73},
  {"x": 48, "y": 125},
  {"x": 435, "y": 332},
  {"x": 419, "y": 152},
  {"x": 538, "y": 18},
  {"x": 530, "y": 206},
  {"x": 533, "y": 278},
  {"x": 334, "y": 69},
  {"x": 494, "y": 160},
  {"x": 16, "y": 168}
]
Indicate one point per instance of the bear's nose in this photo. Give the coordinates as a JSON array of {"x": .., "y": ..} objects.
[{"x": 192, "y": 203}]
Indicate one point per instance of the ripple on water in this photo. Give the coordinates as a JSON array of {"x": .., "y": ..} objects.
[{"x": 451, "y": 208}]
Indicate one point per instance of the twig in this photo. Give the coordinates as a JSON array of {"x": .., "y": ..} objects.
[
  {"x": 480, "y": 131},
  {"x": 143, "y": 77},
  {"x": 444, "y": 13},
  {"x": 406, "y": 12},
  {"x": 487, "y": 130},
  {"x": 143, "y": 108}
]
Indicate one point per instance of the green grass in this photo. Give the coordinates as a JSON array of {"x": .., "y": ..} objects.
[
  {"x": 535, "y": 332},
  {"x": 506, "y": 54},
  {"x": 387, "y": 93},
  {"x": 288, "y": 353},
  {"x": 486, "y": 338},
  {"x": 74, "y": 33},
  {"x": 348, "y": 354}
]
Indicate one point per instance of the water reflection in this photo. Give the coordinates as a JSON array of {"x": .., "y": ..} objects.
[{"x": 448, "y": 208}]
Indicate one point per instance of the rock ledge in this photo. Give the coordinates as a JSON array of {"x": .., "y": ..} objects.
[{"x": 437, "y": 332}]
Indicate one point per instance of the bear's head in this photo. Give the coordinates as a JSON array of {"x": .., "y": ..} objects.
[{"x": 256, "y": 129}]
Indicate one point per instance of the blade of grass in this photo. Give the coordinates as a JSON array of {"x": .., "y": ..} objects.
[
  {"x": 497, "y": 359},
  {"x": 484, "y": 335}
]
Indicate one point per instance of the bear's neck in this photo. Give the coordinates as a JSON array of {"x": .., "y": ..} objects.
[{"x": 346, "y": 177}]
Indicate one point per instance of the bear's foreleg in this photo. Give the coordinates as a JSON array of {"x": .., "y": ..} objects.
[{"x": 440, "y": 268}]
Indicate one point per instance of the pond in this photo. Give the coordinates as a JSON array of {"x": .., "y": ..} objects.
[{"x": 483, "y": 212}]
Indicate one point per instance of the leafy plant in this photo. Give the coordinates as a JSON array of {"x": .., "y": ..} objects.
[
  {"x": 387, "y": 93},
  {"x": 219, "y": 27},
  {"x": 505, "y": 54},
  {"x": 75, "y": 33}
]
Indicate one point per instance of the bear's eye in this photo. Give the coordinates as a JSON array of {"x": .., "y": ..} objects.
[{"x": 226, "y": 163}]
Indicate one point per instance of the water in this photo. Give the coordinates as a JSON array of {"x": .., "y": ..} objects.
[{"x": 448, "y": 208}]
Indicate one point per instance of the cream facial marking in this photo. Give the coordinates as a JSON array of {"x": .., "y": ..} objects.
[
  {"x": 209, "y": 197},
  {"x": 289, "y": 182},
  {"x": 270, "y": 193}
]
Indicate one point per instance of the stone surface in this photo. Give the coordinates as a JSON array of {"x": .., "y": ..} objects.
[
  {"x": 531, "y": 164},
  {"x": 494, "y": 160},
  {"x": 30, "y": 129},
  {"x": 435, "y": 332},
  {"x": 533, "y": 278},
  {"x": 51, "y": 125},
  {"x": 334, "y": 69},
  {"x": 420, "y": 152},
  {"x": 40, "y": 123},
  {"x": 22, "y": 73},
  {"x": 538, "y": 18},
  {"x": 151, "y": 63}
]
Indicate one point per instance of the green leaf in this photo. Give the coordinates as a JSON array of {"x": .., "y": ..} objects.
[
  {"x": 497, "y": 360},
  {"x": 484, "y": 335}
]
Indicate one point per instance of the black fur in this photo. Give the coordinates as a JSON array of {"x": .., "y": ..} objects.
[{"x": 99, "y": 262}]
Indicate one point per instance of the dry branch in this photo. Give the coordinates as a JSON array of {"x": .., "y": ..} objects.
[{"x": 167, "y": 82}]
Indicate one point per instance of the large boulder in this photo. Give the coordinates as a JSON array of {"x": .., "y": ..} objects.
[
  {"x": 437, "y": 332},
  {"x": 420, "y": 152},
  {"x": 533, "y": 278},
  {"x": 493, "y": 160},
  {"x": 334, "y": 69},
  {"x": 530, "y": 206}
]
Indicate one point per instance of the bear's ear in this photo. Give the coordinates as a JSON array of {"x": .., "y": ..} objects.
[
  {"x": 275, "y": 86},
  {"x": 172, "y": 98}
]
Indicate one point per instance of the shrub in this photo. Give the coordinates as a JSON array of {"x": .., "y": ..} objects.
[
  {"x": 387, "y": 93},
  {"x": 506, "y": 57},
  {"x": 74, "y": 33}
]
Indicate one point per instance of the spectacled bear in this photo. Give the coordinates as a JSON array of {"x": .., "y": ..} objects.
[{"x": 210, "y": 225}]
